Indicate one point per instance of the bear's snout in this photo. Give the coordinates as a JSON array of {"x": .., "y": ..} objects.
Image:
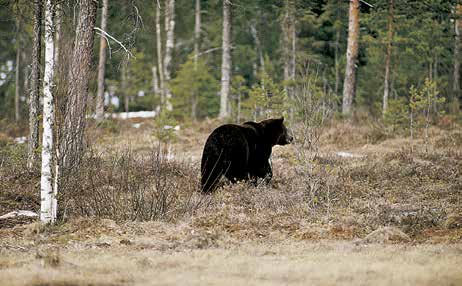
[{"x": 290, "y": 138}]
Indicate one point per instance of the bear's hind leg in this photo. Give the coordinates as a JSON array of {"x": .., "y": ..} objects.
[{"x": 211, "y": 173}]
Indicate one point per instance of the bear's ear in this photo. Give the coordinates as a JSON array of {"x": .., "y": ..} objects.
[{"x": 281, "y": 119}]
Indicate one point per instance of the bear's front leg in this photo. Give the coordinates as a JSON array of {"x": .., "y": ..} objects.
[{"x": 264, "y": 172}]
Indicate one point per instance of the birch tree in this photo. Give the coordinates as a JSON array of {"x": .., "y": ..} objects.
[
  {"x": 48, "y": 205},
  {"x": 101, "y": 65},
  {"x": 34, "y": 104},
  {"x": 456, "y": 76},
  {"x": 79, "y": 77},
  {"x": 349, "y": 85},
  {"x": 160, "y": 58},
  {"x": 386, "y": 84},
  {"x": 169, "y": 45},
  {"x": 226, "y": 60}
]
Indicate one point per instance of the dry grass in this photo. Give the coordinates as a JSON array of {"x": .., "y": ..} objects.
[{"x": 137, "y": 218}]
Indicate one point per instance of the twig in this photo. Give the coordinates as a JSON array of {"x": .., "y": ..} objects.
[
  {"x": 364, "y": 2},
  {"x": 117, "y": 41}
]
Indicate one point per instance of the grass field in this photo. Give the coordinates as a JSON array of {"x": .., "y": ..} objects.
[{"x": 361, "y": 209}]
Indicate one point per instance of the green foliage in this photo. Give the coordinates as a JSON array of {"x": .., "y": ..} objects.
[
  {"x": 425, "y": 100},
  {"x": 164, "y": 124},
  {"x": 194, "y": 83},
  {"x": 397, "y": 114},
  {"x": 265, "y": 99}
]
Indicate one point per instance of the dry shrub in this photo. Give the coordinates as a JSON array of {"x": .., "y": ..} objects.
[{"x": 128, "y": 186}]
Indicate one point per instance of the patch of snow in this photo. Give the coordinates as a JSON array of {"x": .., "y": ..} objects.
[
  {"x": 19, "y": 213},
  {"x": 348, "y": 155},
  {"x": 20, "y": 140},
  {"x": 136, "y": 125},
  {"x": 176, "y": 128}
]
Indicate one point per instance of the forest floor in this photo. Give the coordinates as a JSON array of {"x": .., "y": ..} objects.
[{"x": 361, "y": 210}]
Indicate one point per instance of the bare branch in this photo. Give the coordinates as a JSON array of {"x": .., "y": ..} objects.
[{"x": 117, "y": 41}]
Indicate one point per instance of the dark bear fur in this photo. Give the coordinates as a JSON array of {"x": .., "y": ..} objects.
[{"x": 241, "y": 152}]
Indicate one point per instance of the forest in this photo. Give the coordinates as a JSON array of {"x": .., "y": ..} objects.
[{"x": 106, "y": 105}]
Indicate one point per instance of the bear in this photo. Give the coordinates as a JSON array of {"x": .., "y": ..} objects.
[{"x": 241, "y": 152}]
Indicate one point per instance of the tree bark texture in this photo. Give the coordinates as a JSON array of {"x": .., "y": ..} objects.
[
  {"x": 386, "y": 84},
  {"x": 455, "y": 104},
  {"x": 48, "y": 203},
  {"x": 349, "y": 85},
  {"x": 169, "y": 45},
  {"x": 34, "y": 103},
  {"x": 101, "y": 65},
  {"x": 226, "y": 60},
  {"x": 79, "y": 77}
]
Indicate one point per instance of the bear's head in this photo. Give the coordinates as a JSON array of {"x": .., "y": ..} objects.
[{"x": 276, "y": 132}]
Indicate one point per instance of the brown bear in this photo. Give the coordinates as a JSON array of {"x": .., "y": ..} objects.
[{"x": 241, "y": 152}]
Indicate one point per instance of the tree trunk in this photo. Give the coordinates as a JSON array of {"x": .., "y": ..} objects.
[
  {"x": 226, "y": 60},
  {"x": 337, "y": 62},
  {"x": 386, "y": 84},
  {"x": 169, "y": 45},
  {"x": 58, "y": 10},
  {"x": 160, "y": 57},
  {"x": 79, "y": 77},
  {"x": 17, "y": 116},
  {"x": 455, "y": 105},
  {"x": 101, "y": 65},
  {"x": 155, "y": 80},
  {"x": 197, "y": 37},
  {"x": 34, "y": 104},
  {"x": 349, "y": 85},
  {"x": 48, "y": 204},
  {"x": 288, "y": 46},
  {"x": 124, "y": 86},
  {"x": 253, "y": 31}
]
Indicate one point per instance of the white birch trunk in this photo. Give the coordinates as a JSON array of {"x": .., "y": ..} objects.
[
  {"x": 386, "y": 84},
  {"x": 101, "y": 66},
  {"x": 169, "y": 45},
  {"x": 226, "y": 60},
  {"x": 48, "y": 203},
  {"x": 160, "y": 64}
]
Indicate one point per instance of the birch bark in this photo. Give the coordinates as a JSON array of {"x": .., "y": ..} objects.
[
  {"x": 160, "y": 57},
  {"x": 169, "y": 45},
  {"x": 226, "y": 60},
  {"x": 386, "y": 85},
  {"x": 48, "y": 200}
]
